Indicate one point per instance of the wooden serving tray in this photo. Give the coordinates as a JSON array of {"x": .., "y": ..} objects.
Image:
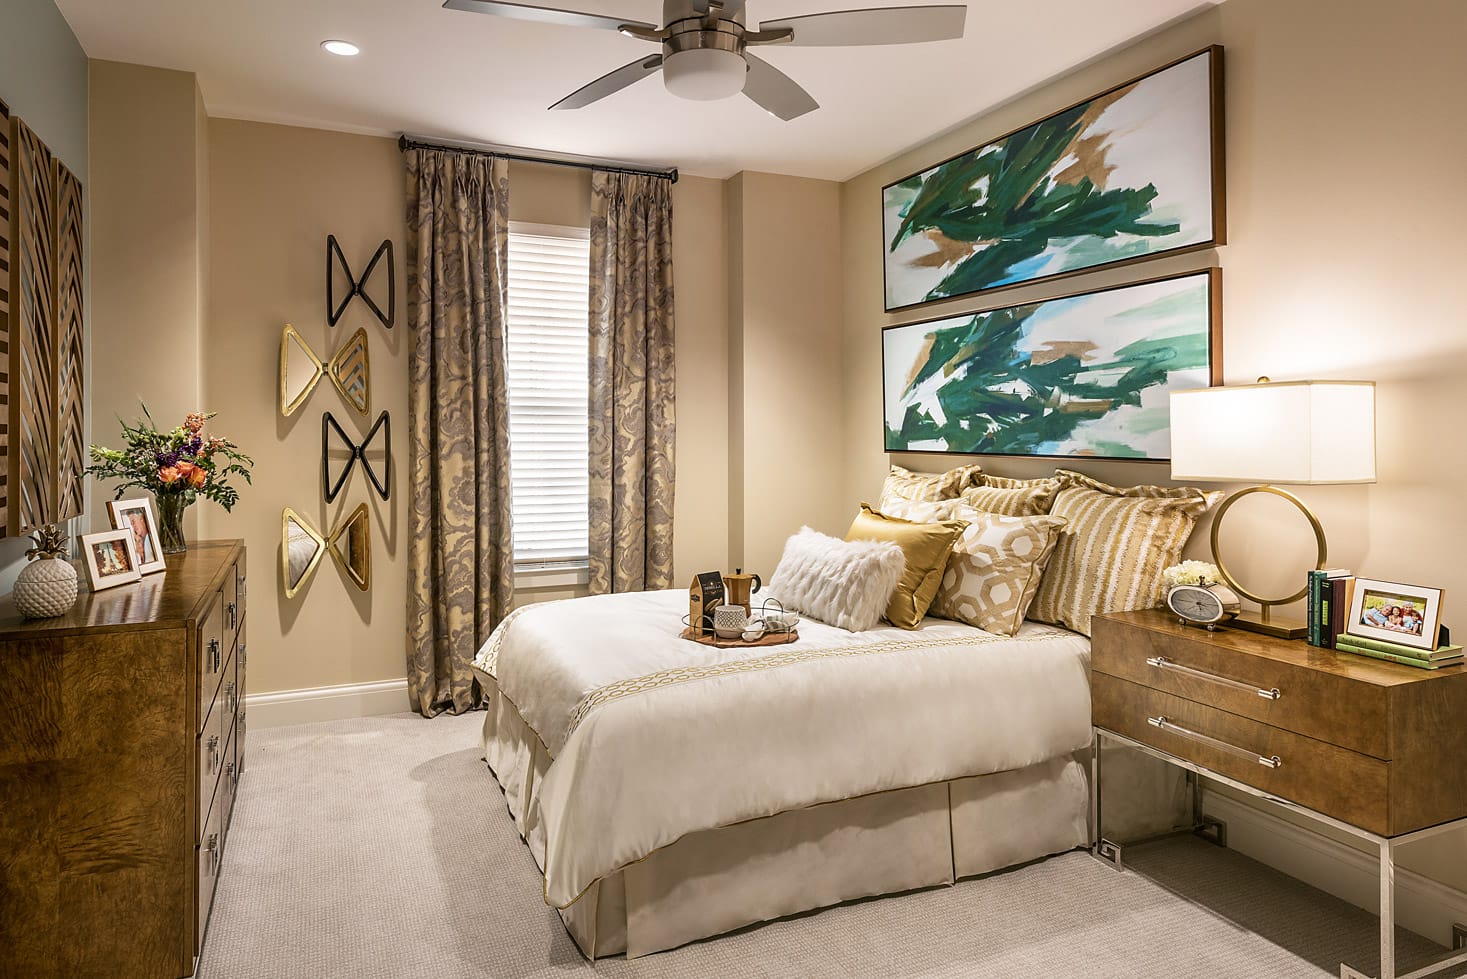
[{"x": 768, "y": 639}]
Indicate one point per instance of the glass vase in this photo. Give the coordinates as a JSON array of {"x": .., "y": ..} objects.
[{"x": 171, "y": 508}]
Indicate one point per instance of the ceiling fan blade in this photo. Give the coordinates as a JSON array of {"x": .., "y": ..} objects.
[
  {"x": 887, "y": 25},
  {"x": 611, "y": 83},
  {"x": 543, "y": 15},
  {"x": 775, "y": 91}
]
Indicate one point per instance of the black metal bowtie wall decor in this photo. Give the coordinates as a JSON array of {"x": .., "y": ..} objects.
[
  {"x": 335, "y": 260},
  {"x": 354, "y": 452}
]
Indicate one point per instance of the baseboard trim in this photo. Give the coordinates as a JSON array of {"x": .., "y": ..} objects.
[
  {"x": 283, "y": 707},
  {"x": 1423, "y": 905}
]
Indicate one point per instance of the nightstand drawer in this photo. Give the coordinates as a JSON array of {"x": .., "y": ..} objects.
[
  {"x": 1347, "y": 784},
  {"x": 1218, "y": 669}
]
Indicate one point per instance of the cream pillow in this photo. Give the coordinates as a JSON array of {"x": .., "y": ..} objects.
[
  {"x": 995, "y": 566},
  {"x": 1014, "y": 497},
  {"x": 903, "y": 484},
  {"x": 846, "y": 584},
  {"x": 927, "y": 547},
  {"x": 1110, "y": 556}
]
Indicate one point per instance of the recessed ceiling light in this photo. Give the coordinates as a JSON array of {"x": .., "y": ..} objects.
[{"x": 344, "y": 48}]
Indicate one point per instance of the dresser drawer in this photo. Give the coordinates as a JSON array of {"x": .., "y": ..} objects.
[
  {"x": 241, "y": 661},
  {"x": 213, "y": 653},
  {"x": 228, "y": 783},
  {"x": 207, "y": 856},
  {"x": 1346, "y": 784},
  {"x": 212, "y": 744},
  {"x": 1217, "y": 669}
]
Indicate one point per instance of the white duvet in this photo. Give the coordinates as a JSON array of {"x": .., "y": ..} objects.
[{"x": 653, "y": 737}]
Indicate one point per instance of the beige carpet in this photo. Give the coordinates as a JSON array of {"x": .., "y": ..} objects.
[{"x": 380, "y": 848}]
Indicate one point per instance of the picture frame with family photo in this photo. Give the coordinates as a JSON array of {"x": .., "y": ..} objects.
[
  {"x": 1393, "y": 612},
  {"x": 137, "y": 516},
  {"x": 111, "y": 558}
]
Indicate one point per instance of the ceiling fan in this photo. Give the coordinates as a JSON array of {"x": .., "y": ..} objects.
[{"x": 705, "y": 46}]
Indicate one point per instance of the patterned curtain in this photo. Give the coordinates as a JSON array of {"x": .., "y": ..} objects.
[
  {"x": 632, "y": 428},
  {"x": 460, "y": 549}
]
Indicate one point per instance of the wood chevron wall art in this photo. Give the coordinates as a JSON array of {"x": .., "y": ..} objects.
[
  {"x": 4, "y": 317},
  {"x": 336, "y": 260},
  {"x": 42, "y": 334},
  {"x": 71, "y": 351},
  {"x": 33, "y": 332}
]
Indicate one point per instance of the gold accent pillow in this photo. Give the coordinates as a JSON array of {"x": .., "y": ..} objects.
[
  {"x": 903, "y": 484},
  {"x": 995, "y": 566},
  {"x": 926, "y": 546},
  {"x": 1012, "y": 497},
  {"x": 1111, "y": 555}
]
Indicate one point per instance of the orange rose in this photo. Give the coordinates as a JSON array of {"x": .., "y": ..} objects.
[
  {"x": 197, "y": 477},
  {"x": 185, "y": 469},
  {"x": 169, "y": 474}
]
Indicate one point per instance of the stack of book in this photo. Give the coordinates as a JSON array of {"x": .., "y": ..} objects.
[
  {"x": 1329, "y": 602},
  {"x": 1397, "y": 653}
]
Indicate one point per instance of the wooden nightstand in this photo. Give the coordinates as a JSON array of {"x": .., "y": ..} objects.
[{"x": 1371, "y": 748}]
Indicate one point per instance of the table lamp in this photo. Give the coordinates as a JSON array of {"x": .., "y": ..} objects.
[{"x": 1293, "y": 432}]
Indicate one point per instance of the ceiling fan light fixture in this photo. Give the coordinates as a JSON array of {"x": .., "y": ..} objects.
[
  {"x": 704, "y": 74},
  {"x": 344, "y": 49}
]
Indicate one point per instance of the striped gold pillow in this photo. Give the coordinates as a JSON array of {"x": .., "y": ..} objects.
[
  {"x": 1012, "y": 497},
  {"x": 1110, "y": 556},
  {"x": 995, "y": 566},
  {"x": 903, "y": 484}
]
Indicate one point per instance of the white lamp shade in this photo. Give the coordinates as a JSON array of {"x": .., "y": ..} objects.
[
  {"x": 1283, "y": 432},
  {"x": 704, "y": 74}
]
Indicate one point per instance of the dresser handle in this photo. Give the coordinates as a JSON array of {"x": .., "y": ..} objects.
[
  {"x": 1162, "y": 663},
  {"x": 233, "y": 621},
  {"x": 212, "y": 848},
  {"x": 214, "y": 655},
  {"x": 229, "y": 697},
  {"x": 1272, "y": 761},
  {"x": 213, "y": 752}
]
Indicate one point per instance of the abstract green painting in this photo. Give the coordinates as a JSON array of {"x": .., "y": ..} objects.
[
  {"x": 1085, "y": 375},
  {"x": 1126, "y": 175}
]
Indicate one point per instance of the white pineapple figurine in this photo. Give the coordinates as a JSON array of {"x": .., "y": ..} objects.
[{"x": 47, "y": 586}]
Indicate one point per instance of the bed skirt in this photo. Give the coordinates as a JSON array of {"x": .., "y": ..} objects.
[{"x": 715, "y": 881}]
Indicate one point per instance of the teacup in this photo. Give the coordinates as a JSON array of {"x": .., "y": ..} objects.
[{"x": 729, "y": 621}]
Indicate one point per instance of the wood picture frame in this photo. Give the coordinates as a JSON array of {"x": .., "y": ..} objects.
[
  {"x": 137, "y": 516},
  {"x": 1060, "y": 378},
  {"x": 111, "y": 558},
  {"x": 1385, "y": 610},
  {"x": 1076, "y": 197},
  {"x": 5, "y": 232}
]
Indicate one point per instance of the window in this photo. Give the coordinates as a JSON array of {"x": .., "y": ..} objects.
[{"x": 549, "y": 284}]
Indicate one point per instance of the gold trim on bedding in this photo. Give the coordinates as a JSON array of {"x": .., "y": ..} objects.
[{"x": 790, "y": 657}]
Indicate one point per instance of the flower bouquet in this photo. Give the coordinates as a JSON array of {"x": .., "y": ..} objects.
[{"x": 176, "y": 466}]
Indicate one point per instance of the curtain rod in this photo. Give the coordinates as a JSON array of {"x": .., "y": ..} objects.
[{"x": 405, "y": 142}]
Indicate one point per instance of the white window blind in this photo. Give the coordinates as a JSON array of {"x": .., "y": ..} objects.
[{"x": 549, "y": 283}]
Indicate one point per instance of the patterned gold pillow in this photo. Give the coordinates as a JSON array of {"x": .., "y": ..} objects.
[
  {"x": 1111, "y": 555},
  {"x": 995, "y": 566},
  {"x": 1013, "y": 497},
  {"x": 903, "y": 484},
  {"x": 926, "y": 546}
]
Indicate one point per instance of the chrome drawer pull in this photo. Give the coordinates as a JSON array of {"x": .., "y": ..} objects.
[
  {"x": 1272, "y": 761},
  {"x": 214, "y": 655},
  {"x": 1162, "y": 663},
  {"x": 213, "y": 850}
]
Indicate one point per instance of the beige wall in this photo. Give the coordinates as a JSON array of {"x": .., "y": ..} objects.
[
  {"x": 1344, "y": 262},
  {"x": 276, "y": 193},
  {"x": 148, "y": 269},
  {"x": 785, "y": 360}
]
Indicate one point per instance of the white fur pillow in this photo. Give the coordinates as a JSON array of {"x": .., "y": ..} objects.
[{"x": 846, "y": 584}]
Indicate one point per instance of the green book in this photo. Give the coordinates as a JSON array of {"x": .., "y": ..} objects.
[
  {"x": 1422, "y": 664},
  {"x": 1400, "y": 649}
]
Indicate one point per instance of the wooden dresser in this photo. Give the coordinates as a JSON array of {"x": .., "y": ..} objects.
[
  {"x": 122, "y": 733},
  {"x": 1372, "y": 749},
  {"x": 1373, "y": 744}
]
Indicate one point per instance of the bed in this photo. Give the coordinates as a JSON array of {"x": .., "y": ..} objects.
[{"x": 671, "y": 791}]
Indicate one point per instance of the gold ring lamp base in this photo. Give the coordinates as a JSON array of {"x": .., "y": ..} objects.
[{"x": 1262, "y": 621}]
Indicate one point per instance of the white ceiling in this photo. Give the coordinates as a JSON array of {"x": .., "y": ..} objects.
[{"x": 466, "y": 76}]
